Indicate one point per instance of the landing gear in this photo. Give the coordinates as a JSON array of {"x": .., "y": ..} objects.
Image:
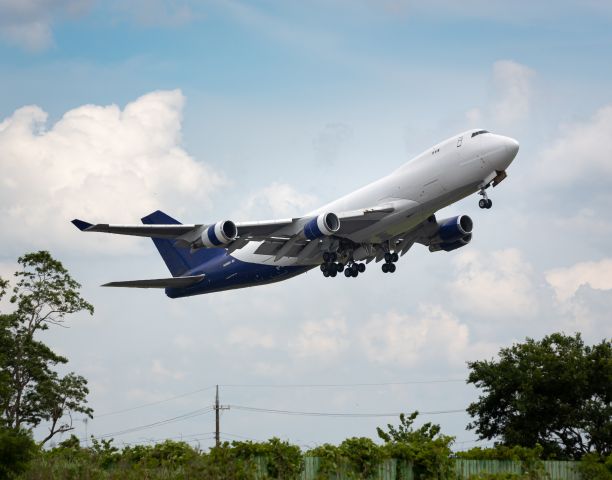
[
  {"x": 390, "y": 259},
  {"x": 485, "y": 201}
]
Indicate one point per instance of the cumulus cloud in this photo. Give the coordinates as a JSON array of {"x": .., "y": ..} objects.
[
  {"x": 277, "y": 200},
  {"x": 497, "y": 284},
  {"x": 581, "y": 152},
  {"x": 321, "y": 339},
  {"x": 511, "y": 96},
  {"x": 100, "y": 163},
  {"x": 410, "y": 340},
  {"x": 28, "y": 23},
  {"x": 567, "y": 281}
]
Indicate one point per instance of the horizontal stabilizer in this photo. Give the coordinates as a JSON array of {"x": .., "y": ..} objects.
[{"x": 173, "y": 282}]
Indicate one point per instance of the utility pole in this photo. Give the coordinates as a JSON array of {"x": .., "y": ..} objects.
[{"x": 218, "y": 408}]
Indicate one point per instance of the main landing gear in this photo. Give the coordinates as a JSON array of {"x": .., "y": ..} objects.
[
  {"x": 485, "y": 201},
  {"x": 390, "y": 259},
  {"x": 331, "y": 267}
]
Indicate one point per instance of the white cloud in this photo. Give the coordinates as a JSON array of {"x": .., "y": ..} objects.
[
  {"x": 567, "y": 281},
  {"x": 512, "y": 83},
  {"x": 28, "y": 23},
  {"x": 498, "y": 284},
  {"x": 99, "y": 163},
  {"x": 411, "y": 340},
  {"x": 159, "y": 370},
  {"x": 250, "y": 337},
  {"x": 322, "y": 339},
  {"x": 277, "y": 200},
  {"x": 183, "y": 342},
  {"x": 583, "y": 151}
]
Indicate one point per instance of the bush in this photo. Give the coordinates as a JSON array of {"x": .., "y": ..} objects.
[
  {"x": 593, "y": 467},
  {"x": 17, "y": 449}
]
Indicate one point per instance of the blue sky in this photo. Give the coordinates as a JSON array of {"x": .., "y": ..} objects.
[{"x": 251, "y": 110}]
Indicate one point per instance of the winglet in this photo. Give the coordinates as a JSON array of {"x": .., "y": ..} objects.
[{"x": 81, "y": 225}]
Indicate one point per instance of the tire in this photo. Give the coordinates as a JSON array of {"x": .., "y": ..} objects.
[
  {"x": 323, "y": 267},
  {"x": 392, "y": 268},
  {"x": 326, "y": 274},
  {"x": 385, "y": 267},
  {"x": 482, "y": 203},
  {"x": 347, "y": 273},
  {"x": 339, "y": 267},
  {"x": 394, "y": 257},
  {"x": 333, "y": 273},
  {"x": 489, "y": 203},
  {"x": 387, "y": 257},
  {"x": 354, "y": 272},
  {"x": 361, "y": 267}
]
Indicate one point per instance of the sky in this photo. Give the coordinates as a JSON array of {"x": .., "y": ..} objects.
[{"x": 239, "y": 110}]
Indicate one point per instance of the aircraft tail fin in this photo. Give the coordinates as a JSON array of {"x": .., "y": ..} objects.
[{"x": 179, "y": 260}]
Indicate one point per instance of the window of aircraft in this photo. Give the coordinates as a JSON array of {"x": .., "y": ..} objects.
[
  {"x": 479, "y": 132},
  {"x": 459, "y": 141}
]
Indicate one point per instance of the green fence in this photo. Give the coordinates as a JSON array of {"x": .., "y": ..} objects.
[{"x": 464, "y": 469}]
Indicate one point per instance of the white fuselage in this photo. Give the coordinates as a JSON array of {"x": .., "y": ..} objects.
[{"x": 438, "y": 177}]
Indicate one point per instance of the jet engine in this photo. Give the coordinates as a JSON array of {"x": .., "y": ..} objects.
[
  {"x": 219, "y": 234},
  {"x": 321, "y": 226},
  {"x": 453, "y": 233}
]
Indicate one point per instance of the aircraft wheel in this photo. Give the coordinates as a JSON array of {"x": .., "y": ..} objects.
[
  {"x": 482, "y": 203},
  {"x": 339, "y": 267},
  {"x": 385, "y": 267},
  {"x": 323, "y": 267},
  {"x": 394, "y": 257},
  {"x": 347, "y": 272},
  {"x": 392, "y": 268},
  {"x": 333, "y": 273},
  {"x": 388, "y": 257},
  {"x": 361, "y": 267},
  {"x": 489, "y": 203},
  {"x": 326, "y": 274},
  {"x": 354, "y": 272}
]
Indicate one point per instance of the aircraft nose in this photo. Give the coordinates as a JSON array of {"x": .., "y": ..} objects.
[{"x": 512, "y": 146}]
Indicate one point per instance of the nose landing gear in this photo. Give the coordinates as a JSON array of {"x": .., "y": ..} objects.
[{"x": 485, "y": 201}]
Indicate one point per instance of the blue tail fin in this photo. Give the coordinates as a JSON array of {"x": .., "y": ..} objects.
[{"x": 178, "y": 260}]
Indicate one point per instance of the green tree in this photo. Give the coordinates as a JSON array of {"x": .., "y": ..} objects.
[
  {"x": 556, "y": 392},
  {"x": 31, "y": 391},
  {"x": 425, "y": 447}
]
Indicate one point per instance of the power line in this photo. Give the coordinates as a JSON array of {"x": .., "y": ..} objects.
[
  {"x": 339, "y": 385},
  {"x": 185, "y": 416},
  {"x": 108, "y": 414},
  {"x": 333, "y": 414}
]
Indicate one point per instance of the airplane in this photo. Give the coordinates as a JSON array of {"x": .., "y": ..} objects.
[{"x": 378, "y": 222}]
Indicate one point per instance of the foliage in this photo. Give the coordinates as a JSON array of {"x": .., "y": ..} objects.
[
  {"x": 363, "y": 455},
  {"x": 284, "y": 460},
  {"x": 594, "y": 467},
  {"x": 502, "y": 452},
  {"x": 425, "y": 447},
  {"x": 17, "y": 449},
  {"x": 31, "y": 391},
  {"x": 556, "y": 392}
]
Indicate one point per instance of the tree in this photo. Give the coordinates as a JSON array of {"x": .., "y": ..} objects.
[
  {"x": 31, "y": 391},
  {"x": 556, "y": 392}
]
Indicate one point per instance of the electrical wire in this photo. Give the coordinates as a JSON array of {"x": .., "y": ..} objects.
[
  {"x": 332, "y": 414},
  {"x": 340, "y": 385}
]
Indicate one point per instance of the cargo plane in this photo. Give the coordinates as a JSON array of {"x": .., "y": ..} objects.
[{"x": 377, "y": 223}]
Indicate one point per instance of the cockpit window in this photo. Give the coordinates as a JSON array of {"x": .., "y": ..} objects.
[{"x": 479, "y": 132}]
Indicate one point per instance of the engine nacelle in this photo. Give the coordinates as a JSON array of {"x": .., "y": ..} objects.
[
  {"x": 455, "y": 228},
  {"x": 219, "y": 234},
  {"x": 322, "y": 226},
  {"x": 453, "y": 245}
]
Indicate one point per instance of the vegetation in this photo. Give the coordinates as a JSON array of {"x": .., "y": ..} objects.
[
  {"x": 556, "y": 393},
  {"x": 31, "y": 391}
]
